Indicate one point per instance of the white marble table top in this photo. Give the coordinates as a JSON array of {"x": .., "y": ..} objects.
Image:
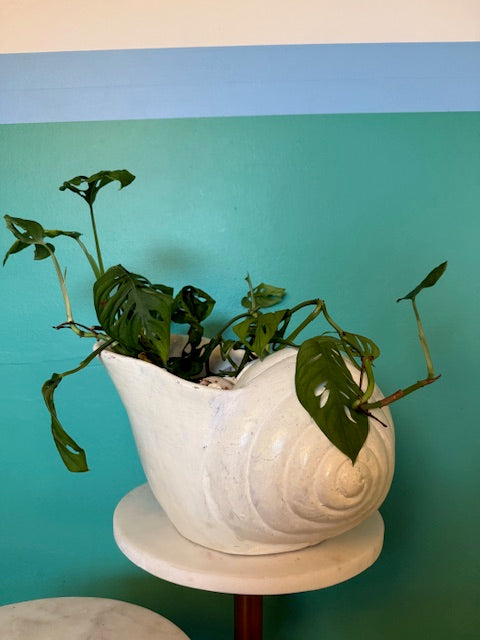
[
  {"x": 146, "y": 536},
  {"x": 83, "y": 619}
]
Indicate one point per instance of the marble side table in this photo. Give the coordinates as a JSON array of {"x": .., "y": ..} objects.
[
  {"x": 83, "y": 619},
  {"x": 145, "y": 535}
]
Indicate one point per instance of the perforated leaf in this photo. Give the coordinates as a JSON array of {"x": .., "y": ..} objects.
[
  {"x": 95, "y": 182},
  {"x": 134, "y": 311},
  {"x": 264, "y": 296},
  {"x": 192, "y": 306},
  {"x": 31, "y": 233},
  {"x": 360, "y": 345},
  {"x": 71, "y": 453},
  {"x": 326, "y": 389},
  {"x": 255, "y": 332}
]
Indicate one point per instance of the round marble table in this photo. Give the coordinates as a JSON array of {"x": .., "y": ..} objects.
[
  {"x": 145, "y": 535},
  {"x": 82, "y": 618}
]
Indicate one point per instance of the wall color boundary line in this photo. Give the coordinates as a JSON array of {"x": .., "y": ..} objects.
[{"x": 237, "y": 81}]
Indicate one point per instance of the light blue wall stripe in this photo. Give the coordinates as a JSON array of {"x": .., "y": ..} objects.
[{"x": 232, "y": 81}]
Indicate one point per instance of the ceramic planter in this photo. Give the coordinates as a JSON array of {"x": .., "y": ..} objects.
[{"x": 246, "y": 470}]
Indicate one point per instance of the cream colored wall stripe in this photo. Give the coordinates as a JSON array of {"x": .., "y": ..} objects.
[{"x": 67, "y": 25}]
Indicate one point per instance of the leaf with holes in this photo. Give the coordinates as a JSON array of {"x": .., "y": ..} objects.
[
  {"x": 192, "y": 306},
  {"x": 28, "y": 233},
  {"x": 71, "y": 453},
  {"x": 134, "y": 311},
  {"x": 31, "y": 233},
  {"x": 264, "y": 295},
  {"x": 96, "y": 182},
  {"x": 256, "y": 332},
  {"x": 326, "y": 389},
  {"x": 359, "y": 346}
]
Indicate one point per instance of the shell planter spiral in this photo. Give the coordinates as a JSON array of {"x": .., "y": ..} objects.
[{"x": 290, "y": 443}]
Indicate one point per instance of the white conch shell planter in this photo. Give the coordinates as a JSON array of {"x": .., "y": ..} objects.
[{"x": 247, "y": 471}]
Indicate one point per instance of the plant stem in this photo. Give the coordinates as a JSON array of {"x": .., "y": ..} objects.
[
  {"x": 240, "y": 316},
  {"x": 84, "y": 331},
  {"x": 252, "y": 295},
  {"x": 401, "y": 393},
  {"x": 217, "y": 338},
  {"x": 97, "y": 243},
  {"x": 63, "y": 287},
  {"x": 331, "y": 322},
  {"x": 320, "y": 305},
  {"x": 423, "y": 342},
  {"x": 89, "y": 358},
  {"x": 367, "y": 394},
  {"x": 66, "y": 299},
  {"x": 90, "y": 259}
]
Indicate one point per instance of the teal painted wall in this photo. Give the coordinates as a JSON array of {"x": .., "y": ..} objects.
[{"x": 352, "y": 208}]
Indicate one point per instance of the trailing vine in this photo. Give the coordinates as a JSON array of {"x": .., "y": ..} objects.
[{"x": 135, "y": 318}]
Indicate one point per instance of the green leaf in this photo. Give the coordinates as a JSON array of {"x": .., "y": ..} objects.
[
  {"x": 28, "y": 233},
  {"x": 43, "y": 251},
  {"x": 360, "y": 345},
  {"x": 164, "y": 289},
  {"x": 191, "y": 306},
  {"x": 54, "y": 233},
  {"x": 33, "y": 232},
  {"x": 428, "y": 281},
  {"x": 96, "y": 182},
  {"x": 16, "y": 247},
  {"x": 72, "y": 455},
  {"x": 133, "y": 311},
  {"x": 264, "y": 295},
  {"x": 256, "y": 332},
  {"x": 226, "y": 347},
  {"x": 326, "y": 389},
  {"x": 186, "y": 366}
]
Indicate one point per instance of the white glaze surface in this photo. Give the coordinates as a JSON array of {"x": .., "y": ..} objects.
[
  {"x": 247, "y": 470},
  {"x": 146, "y": 536},
  {"x": 84, "y": 619}
]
